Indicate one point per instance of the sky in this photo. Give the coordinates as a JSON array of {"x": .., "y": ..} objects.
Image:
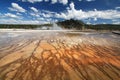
[{"x": 49, "y": 11}]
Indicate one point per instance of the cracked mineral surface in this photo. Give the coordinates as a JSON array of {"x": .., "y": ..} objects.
[{"x": 59, "y": 55}]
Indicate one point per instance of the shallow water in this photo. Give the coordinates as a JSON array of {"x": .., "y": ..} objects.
[{"x": 59, "y": 55}]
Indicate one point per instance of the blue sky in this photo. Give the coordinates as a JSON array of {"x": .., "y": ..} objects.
[{"x": 48, "y": 11}]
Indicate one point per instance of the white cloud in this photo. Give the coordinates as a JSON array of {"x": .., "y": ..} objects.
[
  {"x": 10, "y": 15},
  {"x": 90, "y": 0},
  {"x": 18, "y": 13},
  {"x": 95, "y": 14},
  {"x": 63, "y": 1},
  {"x": 29, "y": 22},
  {"x": 14, "y": 21},
  {"x": 72, "y": 6},
  {"x": 7, "y": 21},
  {"x": 116, "y": 22},
  {"x": 50, "y": 12},
  {"x": 32, "y": 1},
  {"x": 45, "y": 14},
  {"x": 79, "y": 0},
  {"x": 88, "y": 23},
  {"x": 16, "y": 7},
  {"x": 117, "y": 7},
  {"x": 95, "y": 19},
  {"x": 34, "y": 9},
  {"x": 46, "y": 0},
  {"x": 35, "y": 15},
  {"x": 53, "y": 1}
]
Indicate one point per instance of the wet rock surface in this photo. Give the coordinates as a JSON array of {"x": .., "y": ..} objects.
[{"x": 59, "y": 55}]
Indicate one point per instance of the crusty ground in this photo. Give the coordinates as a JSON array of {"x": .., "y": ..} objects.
[{"x": 61, "y": 57}]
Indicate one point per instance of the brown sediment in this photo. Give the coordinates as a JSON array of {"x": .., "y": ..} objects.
[{"x": 56, "y": 59}]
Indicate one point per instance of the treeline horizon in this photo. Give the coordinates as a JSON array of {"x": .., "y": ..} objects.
[
  {"x": 104, "y": 27},
  {"x": 80, "y": 25},
  {"x": 67, "y": 24},
  {"x": 22, "y": 26}
]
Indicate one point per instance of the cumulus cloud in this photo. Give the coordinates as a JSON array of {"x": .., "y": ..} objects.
[
  {"x": 72, "y": 6},
  {"x": 7, "y": 21},
  {"x": 79, "y": 0},
  {"x": 46, "y": 0},
  {"x": 64, "y": 2},
  {"x": 14, "y": 21},
  {"x": 43, "y": 15},
  {"x": 90, "y": 0},
  {"x": 36, "y": 15},
  {"x": 53, "y": 1},
  {"x": 10, "y": 15},
  {"x": 34, "y": 9},
  {"x": 116, "y": 21},
  {"x": 80, "y": 14},
  {"x": 117, "y": 7},
  {"x": 32, "y": 1},
  {"x": 16, "y": 7}
]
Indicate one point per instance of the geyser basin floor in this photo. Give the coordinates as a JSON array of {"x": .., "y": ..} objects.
[{"x": 59, "y": 55}]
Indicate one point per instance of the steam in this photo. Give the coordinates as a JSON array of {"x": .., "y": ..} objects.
[{"x": 56, "y": 27}]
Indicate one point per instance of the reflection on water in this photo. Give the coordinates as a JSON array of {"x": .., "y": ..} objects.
[{"x": 59, "y": 55}]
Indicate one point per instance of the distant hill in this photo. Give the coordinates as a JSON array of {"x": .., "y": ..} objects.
[
  {"x": 80, "y": 25},
  {"x": 71, "y": 24}
]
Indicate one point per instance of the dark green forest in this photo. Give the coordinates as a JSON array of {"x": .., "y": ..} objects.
[
  {"x": 79, "y": 25},
  {"x": 104, "y": 27},
  {"x": 22, "y": 26}
]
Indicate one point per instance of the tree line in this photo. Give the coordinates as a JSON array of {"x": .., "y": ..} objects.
[
  {"x": 80, "y": 25},
  {"x": 22, "y": 26}
]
